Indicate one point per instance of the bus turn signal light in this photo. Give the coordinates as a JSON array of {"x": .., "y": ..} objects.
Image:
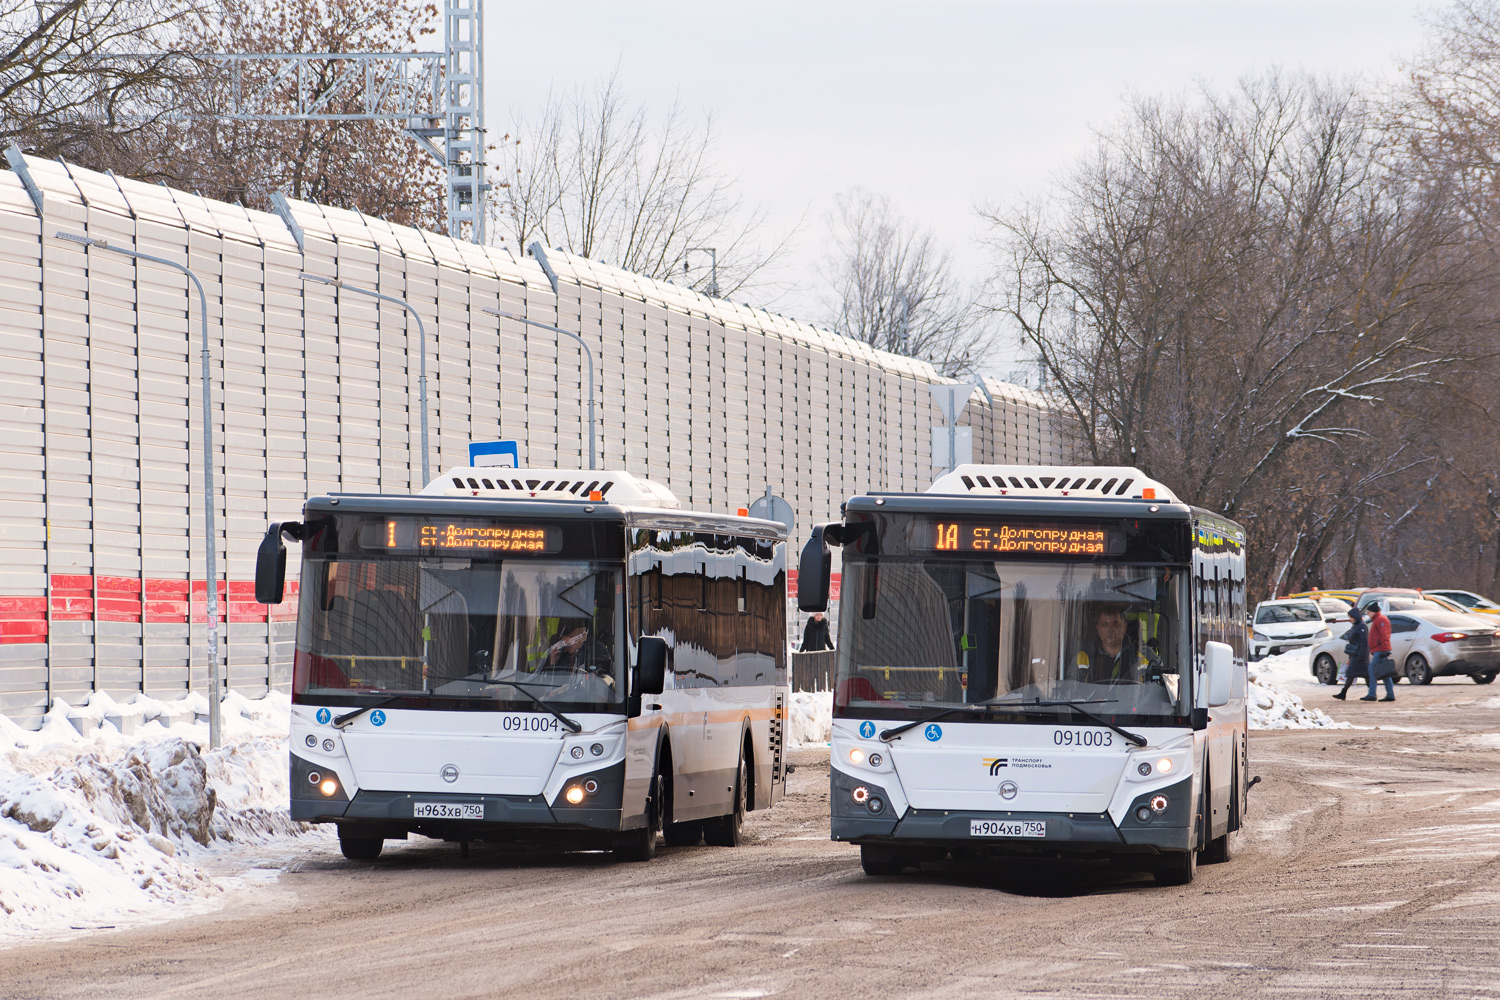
[
  {"x": 861, "y": 795},
  {"x": 1158, "y": 803}
]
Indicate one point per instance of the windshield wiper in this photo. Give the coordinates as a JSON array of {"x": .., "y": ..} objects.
[
  {"x": 343, "y": 720},
  {"x": 889, "y": 734},
  {"x": 1077, "y": 706},
  {"x": 573, "y": 727}
]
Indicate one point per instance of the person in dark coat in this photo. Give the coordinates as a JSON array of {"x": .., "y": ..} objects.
[
  {"x": 1358, "y": 636},
  {"x": 816, "y": 636}
]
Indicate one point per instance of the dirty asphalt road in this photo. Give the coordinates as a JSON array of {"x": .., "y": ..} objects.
[{"x": 1370, "y": 868}]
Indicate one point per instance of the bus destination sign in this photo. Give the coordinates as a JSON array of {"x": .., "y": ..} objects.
[
  {"x": 449, "y": 536},
  {"x": 1025, "y": 538}
]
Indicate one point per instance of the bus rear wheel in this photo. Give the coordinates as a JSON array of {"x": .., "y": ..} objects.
[
  {"x": 729, "y": 830},
  {"x": 357, "y": 848}
]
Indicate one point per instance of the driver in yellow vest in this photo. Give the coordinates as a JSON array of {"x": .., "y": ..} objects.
[{"x": 1109, "y": 654}]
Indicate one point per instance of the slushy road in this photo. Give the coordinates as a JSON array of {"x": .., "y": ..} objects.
[{"x": 1370, "y": 868}]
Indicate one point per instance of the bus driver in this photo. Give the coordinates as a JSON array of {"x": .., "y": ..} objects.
[{"x": 1110, "y": 655}]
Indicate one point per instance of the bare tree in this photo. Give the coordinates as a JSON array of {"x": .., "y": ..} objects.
[
  {"x": 370, "y": 166},
  {"x": 1241, "y": 296},
  {"x": 66, "y": 86},
  {"x": 890, "y": 284},
  {"x": 594, "y": 175}
]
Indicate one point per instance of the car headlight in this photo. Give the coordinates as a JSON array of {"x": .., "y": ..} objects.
[
  {"x": 1324, "y": 634},
  {"x": 1259, "y": 638}
]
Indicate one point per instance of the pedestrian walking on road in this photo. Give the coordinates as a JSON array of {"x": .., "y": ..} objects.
[
  {"x": 1357, "y": 647},
  {"x": 1382, "y": 667}
]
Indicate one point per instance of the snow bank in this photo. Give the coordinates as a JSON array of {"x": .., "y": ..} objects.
[
  {"x": 1272, "y": 706},
  {"x": 1269, "y": 703},
  {"x": 109, "y": 828},
  {"x": 811, "y": 718}
]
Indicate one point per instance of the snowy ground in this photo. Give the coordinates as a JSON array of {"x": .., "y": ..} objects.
[
  {"x": 1278, "y": 685},
  {"x": 106, "y": 830}
]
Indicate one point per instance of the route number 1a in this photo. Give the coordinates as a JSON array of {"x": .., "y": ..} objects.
[{"x": 947, "y": 537}]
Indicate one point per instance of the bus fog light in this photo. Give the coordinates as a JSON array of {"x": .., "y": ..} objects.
[
  {"x": 328, "y": 745},
  {"x": 857, "y": 755},
  {"x": 1143, "y": 769},
  {"x": 591, "y": 786},
  {"x": 861, "y": 795},
  {"x": 313, "y": 777},
  {"x": 329, "y": 786},
  {"x": 876, "y": 804},
  {"x": 312, "y": 741},
  {"x": 577, "y": 752},
  {"x": 1143, "y": 814},
  {"x": 1164, "y": 765},
  {"x": 876, "y": 760},
  {"x": 597, "y": 749},
  {"x": 1158, "y": 803},
  {"x": 574, "y": 794}
]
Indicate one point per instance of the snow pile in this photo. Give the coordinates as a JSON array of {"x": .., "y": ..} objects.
[
  {"x": 104, "y": 827},
  {"x": 811, "y": 718},
  {"x": 1272, "y": 706}
]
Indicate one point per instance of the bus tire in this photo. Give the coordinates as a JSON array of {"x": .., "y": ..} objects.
[
  {"x": 878, "y": 860},
  {"x": 1177, "y": 868},
  {"x": 359, "y": 848},
  {"x": 689, "y": 834},
  {"x": 728, "y": 830},
  {"x": 640, "y": 845}
]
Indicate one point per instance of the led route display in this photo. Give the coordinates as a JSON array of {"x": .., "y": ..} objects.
[
  {"x": 469, "y": 535},
  {"x": 1025, "y": 538}
]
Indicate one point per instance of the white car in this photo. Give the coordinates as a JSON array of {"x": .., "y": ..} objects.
[
  {"x": 1426, "y": 644},
  {"x": 1469, "y": 600},
  {"x": 1289, "y": 623}
]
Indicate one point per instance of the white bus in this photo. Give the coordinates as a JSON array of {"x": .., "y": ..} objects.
[
  {"x": 533, "y": 655},
  {"x": 1036, "y": 661}
]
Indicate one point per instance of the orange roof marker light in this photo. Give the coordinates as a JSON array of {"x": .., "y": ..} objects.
[
  {"x": 595, "y": 495},
  {"x": 1149, "y": 493},
  {"x": 742, "y": 511}
]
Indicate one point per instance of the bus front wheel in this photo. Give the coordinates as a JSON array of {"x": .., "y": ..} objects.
[
  {"x": 876, "y": 859},
  {"x": 640, "y": 844},
  {"x": 359, "y": 848},
  {"x": 1177, "y": 868}
]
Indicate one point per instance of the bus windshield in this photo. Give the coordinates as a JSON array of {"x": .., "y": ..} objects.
[
  {"x": 461, "y": 630},
  {"x": 918, "y": 635}
]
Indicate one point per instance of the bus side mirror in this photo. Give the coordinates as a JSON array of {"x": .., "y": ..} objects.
[
  {"x": 651, "y": 663},
  {"x": 814, "y": 572},
  {"x": 270, "y": 567},
  {"x": 1219, "y": 659}
]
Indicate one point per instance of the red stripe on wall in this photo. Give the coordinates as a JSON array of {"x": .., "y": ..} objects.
[{"x": 23, "y": 619}]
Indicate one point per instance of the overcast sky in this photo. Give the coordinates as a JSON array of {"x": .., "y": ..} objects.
[{"x": 941, "y": 105}]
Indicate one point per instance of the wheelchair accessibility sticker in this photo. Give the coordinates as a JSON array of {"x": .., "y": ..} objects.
[
  {"x": 934, "y": 732},
  {"x": 377, "y": 718},
  {"x": 867, "y": 729},
  {"x": 324, "y": 715}
]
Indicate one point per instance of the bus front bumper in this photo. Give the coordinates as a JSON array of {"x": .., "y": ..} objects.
[
  {"x": 1066, "y": 833},
  {"x": 397, "y": 810}
]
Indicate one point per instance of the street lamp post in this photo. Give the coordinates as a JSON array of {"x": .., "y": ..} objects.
[
  {"x": 587, "y": 353},
  {"x": 208, "y": 473},
  {"x": 421, "y": 336}
]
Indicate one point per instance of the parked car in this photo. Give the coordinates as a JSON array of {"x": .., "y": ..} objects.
[
  {"x": 1387, "y": 595},
  {"x": 1288, "y": 623},
  {"x": 1350, "y": 595},
  {"x": 1469, "y": 600},
  {"x": 1335, "y": 611},
  {"x": 1425, "y": 644}
]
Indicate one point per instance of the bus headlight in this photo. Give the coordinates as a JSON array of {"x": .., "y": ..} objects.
[
  {"x": 329, "y": 786},
  {"x": 577, "y": 753},
  {"x": 1143, "y": 768},
  {"x": 856, "y": 756},
  {"x": 574, "y": 794},
  {"x": 875, "y": 760},
  {"x": 1164, "y": 765}
]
